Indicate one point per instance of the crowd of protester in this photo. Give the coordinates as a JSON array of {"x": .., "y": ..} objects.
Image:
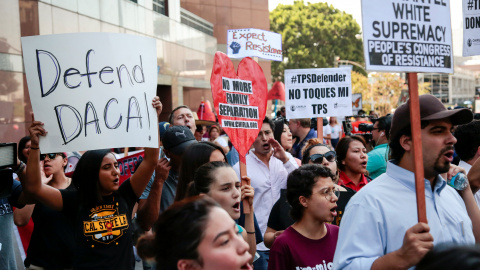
[{"x": 346, "y": 201}]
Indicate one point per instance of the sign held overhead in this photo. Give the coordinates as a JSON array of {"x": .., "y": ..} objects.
[
  {"x": 407, "y": 35},
  {"x": 318, "y": 92},
  {"x": 251, "y": 42},
  {"x": 92, "y": 90},
  {"x": 471, "y": 27}
]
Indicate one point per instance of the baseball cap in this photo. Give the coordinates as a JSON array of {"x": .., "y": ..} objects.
[
  {"x": 430, "y": 109},
  {"x": 162, "y": 127},
  {"x": 177, "y": 138}
]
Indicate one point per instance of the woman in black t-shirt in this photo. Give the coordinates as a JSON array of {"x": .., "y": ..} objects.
[{"x": 100, "y": 209}]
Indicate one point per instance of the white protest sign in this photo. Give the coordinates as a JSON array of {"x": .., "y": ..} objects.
[
  {"x": 254, "y": 42},
  {"x": 92, "y": 90},
  {"x": 318, "y": 92},
  {"x": 356, "y": 103},
  {"x": 471, "y": 27},
  {"x": 407, "y": 35}
]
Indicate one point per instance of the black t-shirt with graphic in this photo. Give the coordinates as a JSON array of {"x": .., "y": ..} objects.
[
  {"x": 103, "y": 233},
  {"x": 53, "y": 231}
]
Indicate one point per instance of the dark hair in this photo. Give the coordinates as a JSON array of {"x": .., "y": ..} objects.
[
  {"x": 204, "y": 177},
  {"x": 384, "y": 123},
  {"x": 300, "y": 182},
  {"x": 447, "y": 256},
  {"x": 170, "y": 117},
  {"x": 279, "y": 123},
  {"x": 312, "y": 143},
  {"x": 468, "y": 140},
  {"x": 21, "y": 145},
  {"x": 342, "y": 149},
  {"x": 270, "y": 122},
  {"x": 396, "y": 150},
  {"x": 86, "y": 177},
  {"x": 195, "y": 156},
  {"x": 178, "y": 233}
]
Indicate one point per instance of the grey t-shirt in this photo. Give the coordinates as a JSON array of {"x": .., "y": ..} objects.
[{"x": 168, "y": 192}]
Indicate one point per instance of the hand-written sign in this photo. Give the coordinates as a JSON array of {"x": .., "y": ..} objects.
[
  {"x": 471, "y": 27},
  {"x": 407, "y": 35},
  {"x": 92, "y": 90},
  {"x": 254, "y": 42},
  {"x": 240, "y": 100},
  {"x": 318, "y": 92}
]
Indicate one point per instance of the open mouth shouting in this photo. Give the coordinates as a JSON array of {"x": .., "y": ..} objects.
[
  {"x": 448, "y": 155},
  {"x": 246, "y": 266},
  {"x": 236, "y": 207},
  {"x": 333, "y": 211},
  {"x": 266, "y": 147}
]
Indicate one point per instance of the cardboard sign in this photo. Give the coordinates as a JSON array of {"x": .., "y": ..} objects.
[
  {"x": 92, "y": 90},
  {"x": 318, "y": 92},
  {"x": 239, "y": 100},
  {"x": 471, "y": 27},
  {"x": 356, "y": 103},
  {"x": 407, "y": 35},
  {"x": 254, "y": 42}
]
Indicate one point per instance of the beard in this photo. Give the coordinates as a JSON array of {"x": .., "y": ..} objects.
[{"x": 439, "y": 166}]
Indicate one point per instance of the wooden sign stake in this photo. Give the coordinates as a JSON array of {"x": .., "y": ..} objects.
[
  {"x": 417, "y": 146},
  {"x": 320, "y": 128}
]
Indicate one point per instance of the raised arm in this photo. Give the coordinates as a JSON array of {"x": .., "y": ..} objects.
[
  {"x": 32, "y": 182},
  {"x": 148, "y": 209},
  {"x": 140, "y": 178},
  {"x": 249, "y": 232}
]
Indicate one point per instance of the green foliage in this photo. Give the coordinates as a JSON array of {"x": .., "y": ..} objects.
[{"x": 312, "y": 35}]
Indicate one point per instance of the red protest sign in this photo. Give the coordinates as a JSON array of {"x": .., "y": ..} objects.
[
  {"x": 129, "y": 164},
  {"x": 240, "y": 99}
]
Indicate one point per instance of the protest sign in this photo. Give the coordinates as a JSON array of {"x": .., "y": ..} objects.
[
  {"x": 407, "y": 35},
  {"x": 356, "y": 103},
  {"x": 255, "y": 43},
  {"x": 239, "y": 100},
  {"x": 318, "y": 92},
  {"x": 129, "y": 164},
  {"x": 471, "y": 27},
  {"x": 92, "y": 90}
]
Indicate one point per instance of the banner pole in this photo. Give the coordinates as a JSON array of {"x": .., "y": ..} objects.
[
  {"x": 417, "y": 146},
  {"x": 320, "y": 128},
  {"x": 243, "y": 172}
]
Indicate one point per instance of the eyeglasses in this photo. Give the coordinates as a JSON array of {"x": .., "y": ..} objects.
[
  {"x": 50, "y": 156},
  {"x": 318, "y": 158},
  {"x": 328, "y": 193}
]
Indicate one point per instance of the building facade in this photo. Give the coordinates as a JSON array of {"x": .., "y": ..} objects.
[{"x": 187, "y": 33}]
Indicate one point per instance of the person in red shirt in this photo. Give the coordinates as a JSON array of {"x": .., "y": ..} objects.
[
  {"x": 352, "y": 162},
  {"x": 359, "y": 119}
]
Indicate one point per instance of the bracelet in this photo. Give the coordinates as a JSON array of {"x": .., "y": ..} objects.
[
  {"x": 250, "y": 232},
  {"x": 20, "y": 168},
  {"x": 34, "y": 148}
]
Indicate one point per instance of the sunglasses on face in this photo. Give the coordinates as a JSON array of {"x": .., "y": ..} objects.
[
  {"x": 50, "y": 156},
  {"x": 318, "y": 158}
]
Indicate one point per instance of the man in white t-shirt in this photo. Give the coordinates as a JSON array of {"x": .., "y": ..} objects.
[{"x": 468, "y": 146}]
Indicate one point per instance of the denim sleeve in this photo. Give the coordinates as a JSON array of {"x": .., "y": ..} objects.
[{"x": 145, "y": 193}]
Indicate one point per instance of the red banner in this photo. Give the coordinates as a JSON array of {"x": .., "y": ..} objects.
[{"x": 128, "y": 165}]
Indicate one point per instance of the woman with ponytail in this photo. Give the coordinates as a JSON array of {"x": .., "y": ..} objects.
[{"x": 219, "y": 181}]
